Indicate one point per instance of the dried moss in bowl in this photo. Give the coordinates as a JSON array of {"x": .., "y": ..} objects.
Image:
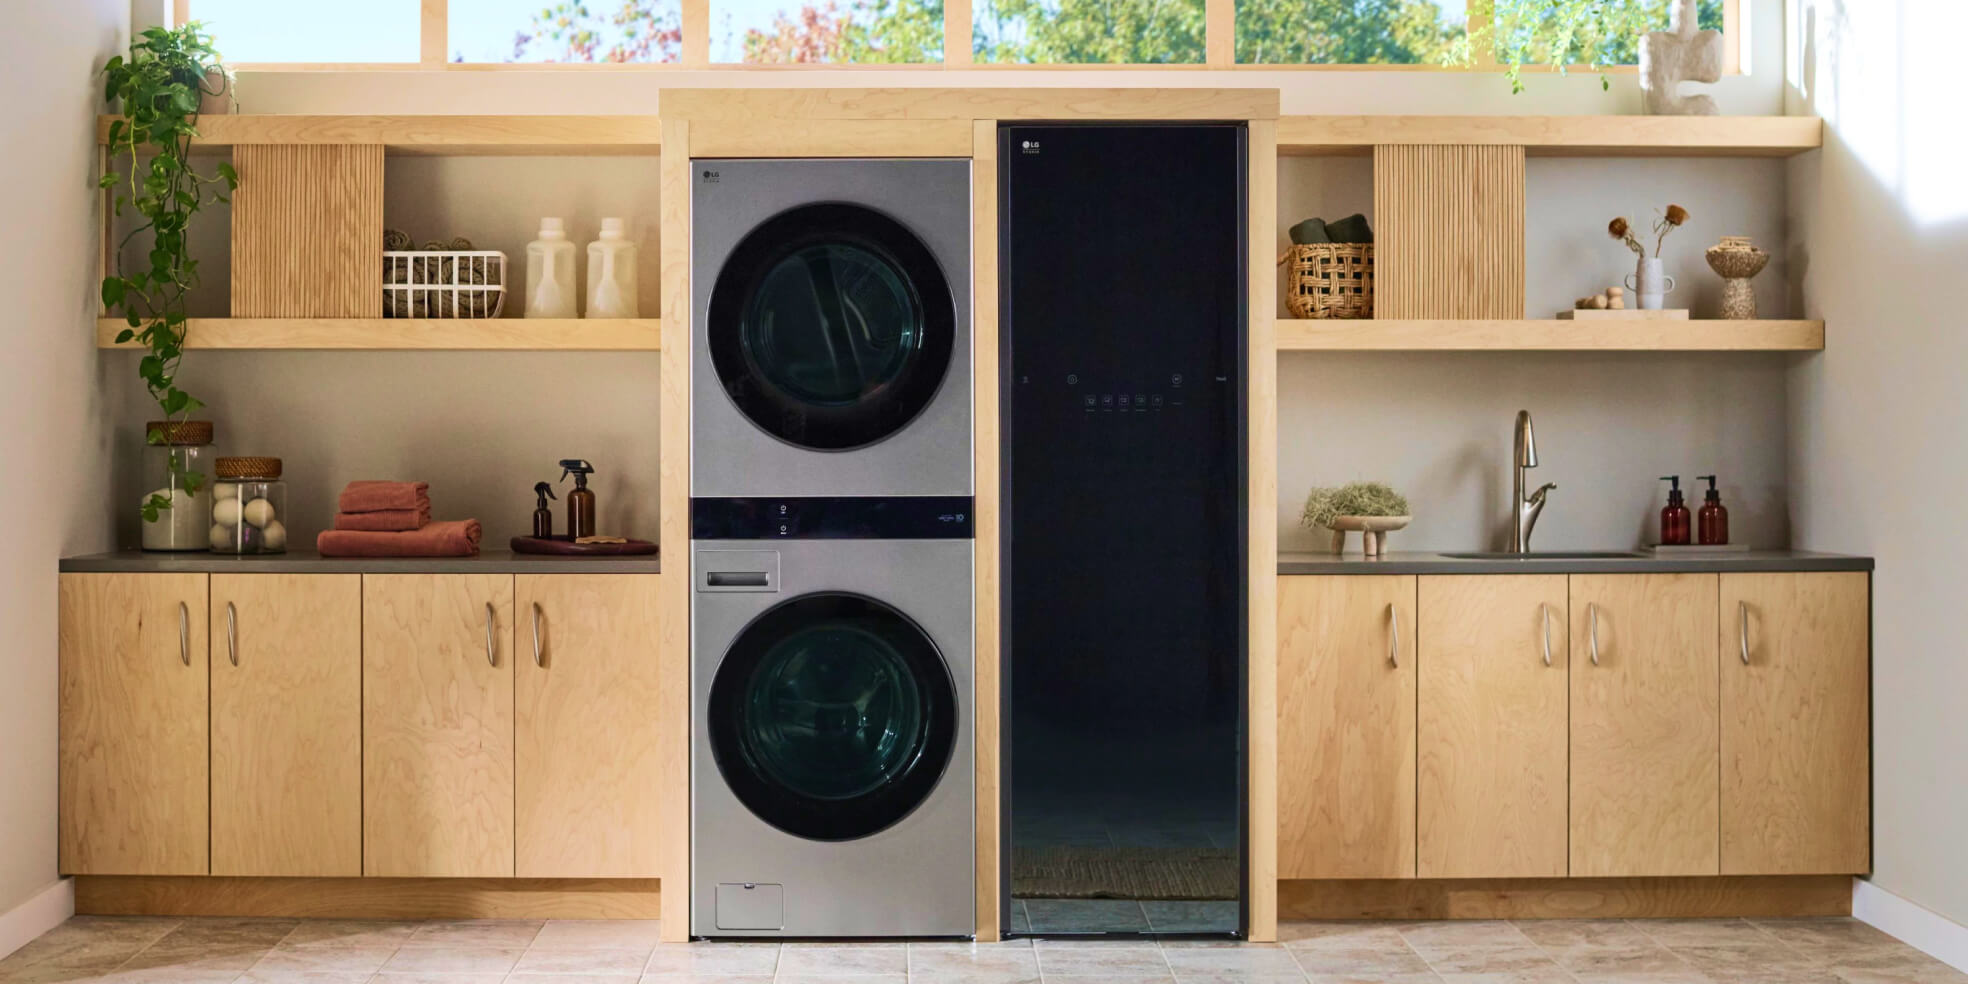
[{"x": 1323, "y": 506}]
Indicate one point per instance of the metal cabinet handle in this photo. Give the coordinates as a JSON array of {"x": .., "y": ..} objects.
[
  {"x": 1742, "y": 629},
  {"x": 537, "y": 660},
  {"x": 232, "y": 634},
  {"x": 1544, "y": 616},
  {"x": 1592, "y": 612},
  {"x": 491, "y": 651},
  {"x": 184, "y": 633},
  {"x": 1394, "y": 641}
]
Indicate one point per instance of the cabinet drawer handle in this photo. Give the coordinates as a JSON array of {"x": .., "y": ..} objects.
[
  {"x": 1592, "y": 613},
  {"x": 232, "y": 634},
  {"x": 1394, "y": 640},
  {"x": 184, "y": 633},
  {"x": 1742, "y": 629},
  {"x": 491, "y": 651},
  {"x": 537, "y": 660},
  {"x": 1544, "y": 616}
]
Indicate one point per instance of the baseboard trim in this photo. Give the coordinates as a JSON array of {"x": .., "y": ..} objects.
[
  {"x": 1566, "y": 898},
  {"x": 47, "y": 909},
  {"x": 370, "y": 898},
  {"x": 1918, "y": 926}
]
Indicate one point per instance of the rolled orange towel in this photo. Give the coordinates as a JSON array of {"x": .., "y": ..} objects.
[
  {"x": 369, "y": 496},
  {"x": 445, "y": 538},
  {"x": 385, "y": 521}
]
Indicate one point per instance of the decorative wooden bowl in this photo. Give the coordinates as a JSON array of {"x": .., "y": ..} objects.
[{"x": 1373, "y": 531}]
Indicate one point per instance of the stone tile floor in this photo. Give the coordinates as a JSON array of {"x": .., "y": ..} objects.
[{"x": 287, "y": 951}]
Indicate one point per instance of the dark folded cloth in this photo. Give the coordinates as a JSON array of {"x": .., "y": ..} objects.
[
  {"x": 362, "y": 497},
  {"x": 445, "y": 538},
  {"x": 385, "y": 521}
]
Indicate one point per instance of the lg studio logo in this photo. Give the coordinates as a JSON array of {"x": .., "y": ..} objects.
[
  {"x": 710, "y": 177},
  {"x": 1029, "y": 146}
]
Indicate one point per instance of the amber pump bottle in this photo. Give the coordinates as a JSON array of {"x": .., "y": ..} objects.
[
  {"x": 1712, "y": 523},
  {"x": 581, "y": 501},
  {"x": 1674, "y": 518}
]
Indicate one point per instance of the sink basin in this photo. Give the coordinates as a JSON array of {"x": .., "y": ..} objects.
[{"x": 1550, "y": 555}]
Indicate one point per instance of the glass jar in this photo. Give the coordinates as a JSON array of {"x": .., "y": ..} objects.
[
  {"x": 176, "y": 457},
  {"x": 249, "y": 507}
]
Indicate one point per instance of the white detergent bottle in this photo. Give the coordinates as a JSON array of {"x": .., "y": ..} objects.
[
  {"x": 612, "y": 273},
  {"x": 550, "y": 284}
]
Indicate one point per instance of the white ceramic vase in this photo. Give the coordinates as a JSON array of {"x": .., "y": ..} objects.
[{"x": 1650, "y": 283}]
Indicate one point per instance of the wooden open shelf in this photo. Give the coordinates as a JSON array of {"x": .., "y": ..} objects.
[
  {"x": 434, "y": 135},
  {"x": 1369, "y": 335},
  {"x": 1559, "y": 136},
  {"x": 459, "y": 334}
]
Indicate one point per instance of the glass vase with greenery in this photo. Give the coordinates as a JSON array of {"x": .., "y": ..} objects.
[{"x": 158, "y": 89}]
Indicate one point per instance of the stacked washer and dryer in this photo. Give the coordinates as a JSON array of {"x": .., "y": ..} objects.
[{"x": 831, "y": 551}]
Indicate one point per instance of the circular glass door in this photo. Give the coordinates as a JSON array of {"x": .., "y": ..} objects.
[
  {"x": 832, "y": 716},
  {"x": 831, "y": 326}
]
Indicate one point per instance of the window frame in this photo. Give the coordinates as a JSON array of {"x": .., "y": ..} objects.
[{"x": 1219, "y": 45}]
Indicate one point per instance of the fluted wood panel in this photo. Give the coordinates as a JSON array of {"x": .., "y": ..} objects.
[
  {"x": 307, "y": 231},
  {"x": 1450, "y": 236}
]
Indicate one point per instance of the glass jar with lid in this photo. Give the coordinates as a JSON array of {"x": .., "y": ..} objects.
[
  {"x": 177, "y": 471},
  {"x": 249, "y": 507}
]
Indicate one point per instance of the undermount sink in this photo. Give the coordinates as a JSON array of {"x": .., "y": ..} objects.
[{"x": 1549, "y": 555}]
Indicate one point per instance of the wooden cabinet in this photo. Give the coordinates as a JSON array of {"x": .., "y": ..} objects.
[
  {"x": 133, "y": 707},
  {"x": 437, "y": 715},
  {"x": 1795, "y": 725},
  {"x": 286, "y": 725},
  {"x": 1492, "y": 726},
  {"x": 590, "y": 781},
  {"x": 1346, "y": 729},
  {"x": 1644, "y": 706}
]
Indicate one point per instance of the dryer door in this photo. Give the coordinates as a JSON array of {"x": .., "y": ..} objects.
[
  {"x": 832, "y": 716},
  {"x": 831, "y": 326}
]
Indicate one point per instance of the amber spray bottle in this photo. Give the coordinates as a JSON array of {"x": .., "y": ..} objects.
[
  {"x": 1675, "y": 518},
  {"x": 542, "y": 516}
]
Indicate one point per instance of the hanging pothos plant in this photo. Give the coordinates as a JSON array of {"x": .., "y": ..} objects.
[
  {"x": 159, "y": 88},
  {"x": 1560, "y": 33}
]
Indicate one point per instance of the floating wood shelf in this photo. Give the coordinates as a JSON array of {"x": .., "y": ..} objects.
[
  {"x": 461, "y": 334},
  {"x": 434, "y": 135},
  {"x": 1559, "y": 136},
  {"x": 1369, "y": 335}
]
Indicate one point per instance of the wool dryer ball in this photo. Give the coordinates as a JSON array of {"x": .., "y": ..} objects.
[
  {"x": 258, "y": 512},
  {"x": 225, "y": 512}
]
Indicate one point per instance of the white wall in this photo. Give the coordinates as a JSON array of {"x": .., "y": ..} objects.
[
  {"x": 51, "y": 394},
  {"x": 1877, "y": 422}
]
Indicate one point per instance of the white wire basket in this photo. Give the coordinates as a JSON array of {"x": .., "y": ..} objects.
[{"x": 421, "y": 283}]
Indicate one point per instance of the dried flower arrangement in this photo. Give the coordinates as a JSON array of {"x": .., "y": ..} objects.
[
  {"x": 1670, "y": 220},
  {"x": 1323, "y": 506}
]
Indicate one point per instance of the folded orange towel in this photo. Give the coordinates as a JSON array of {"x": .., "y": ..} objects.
[
  {"x": 445, "y": 538},
  {"x": 385, "y": 521},
  {"x": 367, "y": 496}
]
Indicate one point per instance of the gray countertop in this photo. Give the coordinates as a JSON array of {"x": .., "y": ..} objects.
[
  {"x": 1645, "y": 563},
  {"x": 309, "y": 562}
]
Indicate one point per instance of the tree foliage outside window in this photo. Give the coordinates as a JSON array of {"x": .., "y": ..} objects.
[
  {"x": 1079, "y": 32},
  {"x": 1563, "y": 33},
  {"x": 622, "y": 31},
  {"x": 1344, "y": 32}
]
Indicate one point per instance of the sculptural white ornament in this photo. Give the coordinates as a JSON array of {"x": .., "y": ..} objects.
[{"x": 1682, "y": 53}]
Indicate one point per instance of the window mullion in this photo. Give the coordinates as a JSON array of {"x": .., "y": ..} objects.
[
  {"x": 956, "y": 32},
  {"x": 436, "y": 34}
]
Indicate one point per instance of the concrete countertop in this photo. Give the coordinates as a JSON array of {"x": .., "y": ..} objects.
[
  {"x": 309, "y": 562},
  {"x": 1751, "y": 561}
]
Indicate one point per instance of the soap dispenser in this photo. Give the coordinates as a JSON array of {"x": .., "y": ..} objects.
[
  {"x": 1674, "y": 518},
  {"x": 542, "y": 516},
  {"x": 550, "y": 288},
  {"x": 581, "y": 501},
  {"x": 1713, "y": 521}
]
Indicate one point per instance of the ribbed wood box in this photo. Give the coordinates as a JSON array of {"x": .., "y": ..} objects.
[
  {"x": 307, "y": 231},
  {"x": 1450, "y": 237}
]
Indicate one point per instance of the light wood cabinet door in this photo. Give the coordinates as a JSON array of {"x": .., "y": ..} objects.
[
  {"x": 1796, "y": 733},
  {"x": 133, "y": 705},
  {"x": 1492, "y": 732},
  {"x": 287, "y": 724},
  {"x": 590, "y": 779},
  {"x": 1346, "y": 726},
  {"x": 437, "y": 720},
  {"x": 1645, "y": 750}
]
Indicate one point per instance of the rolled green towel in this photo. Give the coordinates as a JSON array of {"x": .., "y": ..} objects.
[
  {"x": 1310, "y": 231},
  {"x": 1352, "y": 229}
]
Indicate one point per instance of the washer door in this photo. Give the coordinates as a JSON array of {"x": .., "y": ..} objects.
[
  {"x": 831, "y": 326},
  {"x": 832, "y": 716}
]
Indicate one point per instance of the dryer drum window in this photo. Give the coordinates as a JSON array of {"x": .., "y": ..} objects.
[
  {"x": 832, "y": 716},
  {"x": 831, "y": 326}
]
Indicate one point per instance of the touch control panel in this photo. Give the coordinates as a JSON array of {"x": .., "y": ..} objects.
[{"x": 926, "y": 517}]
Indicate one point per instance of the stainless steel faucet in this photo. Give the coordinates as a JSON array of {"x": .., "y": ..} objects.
[{"x": 1527, "y": 507}]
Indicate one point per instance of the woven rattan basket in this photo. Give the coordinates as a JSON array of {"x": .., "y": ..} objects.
[{"x": 1329, "y": 280}]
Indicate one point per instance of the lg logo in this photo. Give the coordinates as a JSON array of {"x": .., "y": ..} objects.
[
  {"x": 1029, "y": 146},
  {"x": 710, "y": 177}
]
